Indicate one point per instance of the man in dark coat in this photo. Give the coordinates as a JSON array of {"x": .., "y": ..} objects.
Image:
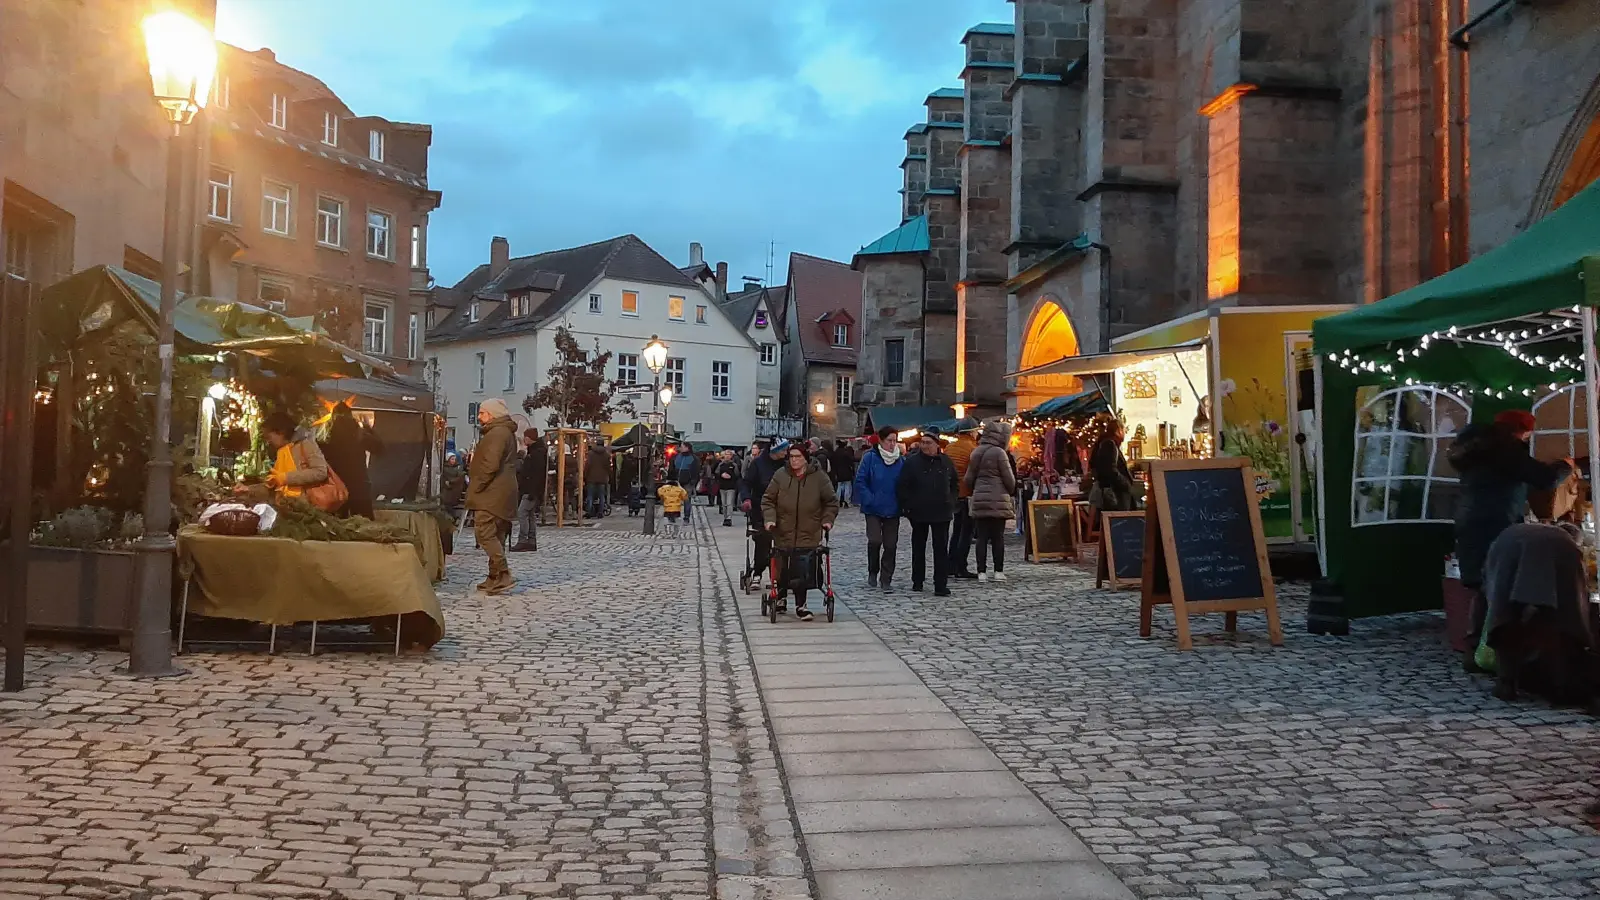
[
  {"x": 752, "y": 488},
  {"x": 842, "y": 469},
  {"x": 1496, "y": 472},
  {"x": 1539, "y": 622},
  {"x": 492, "y": 490},
  {"x": 928, "y": 490},
  {"x": 346, "y": 451},
  {"x": 530, "y": 485}
]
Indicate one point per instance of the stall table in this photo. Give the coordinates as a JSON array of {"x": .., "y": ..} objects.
[
  {"x": 276, "y": 581},
  {"x": 422, "y": 526}
]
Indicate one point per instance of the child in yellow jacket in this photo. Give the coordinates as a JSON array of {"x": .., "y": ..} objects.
[{"x": 672, "y": 500}]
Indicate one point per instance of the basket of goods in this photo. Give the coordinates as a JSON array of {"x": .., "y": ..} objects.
[{"x": 236, "y": 519}]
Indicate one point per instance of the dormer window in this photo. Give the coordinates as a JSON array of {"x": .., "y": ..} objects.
[
  {"x": 841, "y": 335},
  {"x": 761, "y": 318},
  {"x": 280, "y": 111},
  {"x": 472, "y": 312},
  {"x": 522, "y": 305},
  {"x": 375, "y": 146},
  {"x": 330, "y": 128}
]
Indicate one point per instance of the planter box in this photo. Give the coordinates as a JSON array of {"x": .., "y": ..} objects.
[{"x": 81, "y": 590}]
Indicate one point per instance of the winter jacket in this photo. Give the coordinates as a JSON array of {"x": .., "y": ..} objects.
[
  {"x": 533, "y": 472},
  {"x": 672, "y": 497},
  {"x": 492, "y": 474},
  {"x": 875, "y": 485},
  {"x": 300, "y": 464},
  {"x": 452, "y": 486},
  {"x": 754, "y": 486},
  {"x": 346, "y": 451},
  {"x": 727, "y": 475},
  {"x": 799, "y": 506},
  {"x": 842, "y": 465},
  {"x": 1112, "y": 479},
  {"x": 960, "y": 453},
  {"x": 1496, "y": 472},
  {"x": 928, "y": 488},
  {"x": 989, "y": 479},
  {"x": 597, "y": 467}
]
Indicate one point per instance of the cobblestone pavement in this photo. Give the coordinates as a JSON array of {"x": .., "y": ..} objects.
[
  {"x": 593, "y": 735},
  {"x": 1365, "y": 766}
]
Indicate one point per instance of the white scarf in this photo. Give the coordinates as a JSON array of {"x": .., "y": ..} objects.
[{"x": 889, "y": 458}]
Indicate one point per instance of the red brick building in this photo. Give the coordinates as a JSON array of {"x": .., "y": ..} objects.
[{"x": 312, "y": 210}]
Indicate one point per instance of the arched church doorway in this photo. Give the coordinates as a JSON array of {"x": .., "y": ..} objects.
[
  {"x": 1048, "y": 337},
  {"x": 1576, "y": 163}
]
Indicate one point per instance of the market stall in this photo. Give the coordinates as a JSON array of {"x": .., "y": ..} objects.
[
  {"x": 1399, "y": 378},
  {"x": 401, "y": 414},
  {"x": 1163, "y": 383}
]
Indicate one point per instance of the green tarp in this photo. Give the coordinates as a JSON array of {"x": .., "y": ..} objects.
[
  {"x": 1554, "y": 264},
  {"x": 1086, "y": 403}
]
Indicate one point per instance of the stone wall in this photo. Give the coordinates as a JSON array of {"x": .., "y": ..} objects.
[
  {"x": 891, "y": 311},
  {"x": 914, "y": 172},
  {"x": 834, "y": 421}
]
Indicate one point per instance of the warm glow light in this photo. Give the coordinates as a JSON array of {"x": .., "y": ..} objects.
[
  {"x": 1222, "y": 216},
  {"x": 960, "y": 410},
  {"x": 183, "y": 60},
  {"x": 217, "y": 391},
  {"x": 908, "y": 434},
  {"x": 821, "y": 407},
  {"x": 666, "y": 396},
  {"x": 1049, "y": 337},
  {"x": 655, "y": 354}
]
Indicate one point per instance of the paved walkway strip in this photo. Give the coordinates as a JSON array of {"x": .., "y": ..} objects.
[{"x": 895, "y": 796}]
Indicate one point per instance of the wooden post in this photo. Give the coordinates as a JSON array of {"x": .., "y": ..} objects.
[{"x": 16, "y": 464}]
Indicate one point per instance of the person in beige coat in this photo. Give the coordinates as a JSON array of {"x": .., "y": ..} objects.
[
  {"x": 990, "y": 480},
  {"x": 799, "y": 506},
  {"x": 492, "y": 492}
]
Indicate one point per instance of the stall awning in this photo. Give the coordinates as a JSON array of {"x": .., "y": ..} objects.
[
  {"x": 1095, "y": 363},
  {"x": 1087, "y": 403},
  {"x": 901, "y": 418},
  {"x": 1553, "y": 265},
  {"x": 377, "y": 393}
]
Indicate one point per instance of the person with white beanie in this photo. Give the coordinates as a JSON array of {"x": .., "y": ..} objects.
[{"x": 492, "y": 490}]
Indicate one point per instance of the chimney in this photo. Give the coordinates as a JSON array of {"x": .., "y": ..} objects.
[
  {"x": 722, "y": 281},
  {"x": 499, "y": 256},
  {"x": 697, "y": 254}
]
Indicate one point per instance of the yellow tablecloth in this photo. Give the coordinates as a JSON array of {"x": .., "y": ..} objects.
[
  {"x": 276, "y": 581},
  {"x": 425, "y": 528}
]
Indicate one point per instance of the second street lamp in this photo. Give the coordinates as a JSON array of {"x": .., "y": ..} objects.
[
  {"x": 183, "y": 60},
  {"x": 655, "y": 356}
]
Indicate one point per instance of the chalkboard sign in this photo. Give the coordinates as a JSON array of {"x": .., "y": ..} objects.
[
  {"x": 1121, "y": 549},
  {"x": 1204, "y": 547},
  {"x": 1052, "y": 529}
]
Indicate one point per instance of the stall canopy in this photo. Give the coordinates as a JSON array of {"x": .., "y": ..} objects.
[
  {"x": 633, "y": 436},
  {"x": 902, "y": 418},
  {"x": 378, "y": 393},
  {"x": 105, "y": 296},
  {"x": 1085, "y": 404},
  {"x": 1095, "y": 363}
]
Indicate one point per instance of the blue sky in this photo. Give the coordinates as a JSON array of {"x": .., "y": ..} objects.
[{"x": 559, "y": 122}]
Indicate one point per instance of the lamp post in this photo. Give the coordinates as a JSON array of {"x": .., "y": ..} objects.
[
  {"x": 655, "y": 356},
  {"x": 183, "y": 60}
]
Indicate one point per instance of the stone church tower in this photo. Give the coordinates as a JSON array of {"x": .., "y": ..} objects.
[{"x": 1124, "y": 162}]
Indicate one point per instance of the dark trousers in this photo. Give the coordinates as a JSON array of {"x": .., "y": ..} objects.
[
  {"x": 960, "y": 537},
  {"x": 940, "y": 533},
  {"x": 763, "y": 559},
  {"x": 492, "y": 533},
  {"x": 991, "y": 534},
  {"x": 883, "y": 536}
]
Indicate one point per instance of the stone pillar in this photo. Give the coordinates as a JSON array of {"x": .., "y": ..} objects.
[
  {"x": 915, "y": 172},
  {"x": 891, "y": 296},
  {"x": 942, "y": 205},
  {"x": 985, "y": 219}
]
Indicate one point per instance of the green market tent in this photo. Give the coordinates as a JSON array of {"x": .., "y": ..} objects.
[
  {"x": 705, "y": 446},
  {"x": 904, "y": 418},
  {"x": 1500, "y": 332},
  {"x": 1069, "y": 406}
]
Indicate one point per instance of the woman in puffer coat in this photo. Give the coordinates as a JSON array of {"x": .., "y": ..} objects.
[{"x": 992, "y": 483}]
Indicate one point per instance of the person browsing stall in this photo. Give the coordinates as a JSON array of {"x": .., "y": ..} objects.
[
  {"x": 799, "y": 506},
  {"x": 877, "y": 476}
]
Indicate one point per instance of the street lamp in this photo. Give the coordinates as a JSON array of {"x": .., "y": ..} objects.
[
  {"x": 183, "y": 60},
  {"x": 655, "y": 356}
]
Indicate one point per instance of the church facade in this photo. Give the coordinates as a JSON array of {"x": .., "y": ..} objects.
[{"x": 1108, "y": 166}]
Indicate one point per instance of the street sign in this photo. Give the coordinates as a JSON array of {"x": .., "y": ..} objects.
[
  {"x": 632, "y": 389},
  {"x": 654, "y": 418}
]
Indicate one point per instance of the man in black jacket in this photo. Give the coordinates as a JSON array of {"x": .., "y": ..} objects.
[
  {"x": 530, "y": 484},
  {"x": 928, "y": 491},
  {"x": 757, "y": 476}
]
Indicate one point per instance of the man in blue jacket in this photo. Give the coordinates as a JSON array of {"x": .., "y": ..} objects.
[{"x": 877, "y": 476}]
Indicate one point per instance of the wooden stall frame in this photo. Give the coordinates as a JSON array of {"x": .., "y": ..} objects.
[
  {"x": 1159, "y": 533},
  {"x": 1072, "y": 530},
  {"x": 562, "y": 434},
  {"x": 1106, "y": 571}
]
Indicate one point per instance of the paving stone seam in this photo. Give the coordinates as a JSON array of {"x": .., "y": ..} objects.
[{"x": 769, "y": 868}]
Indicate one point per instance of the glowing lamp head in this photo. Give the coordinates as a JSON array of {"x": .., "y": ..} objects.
[
  {"x": 183, "y": 61},
  {"x": 217, "y": 391},
  {"x": 821, "y": 407},
  {"x": 655, "y": 354},
  {"x": 666, "y": 396}
]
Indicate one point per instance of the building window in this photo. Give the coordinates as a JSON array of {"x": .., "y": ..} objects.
[
  {"x": 472, "y": 312},
  {"x": 894, "y": 361},
  {"x": 277, "y": 208},
  {"x": 764, "y": 407},
  {"x": 221, "y": 92},
  {"x": 280, "y": 111},
  {"x": 595, "y": 304},
  {"x": 377, "y": 332},
  {"x": 511, "y": 368},
  {"x": 1560, "y": 429},
  {"x": 844, "y": 390},
  {"x": 628, "y": 368},
  {"x": 221, "y": 194},
  {"x": 330, "y": 128},
  {"x": 375, "y": 145},
  {"x": 272, "y": 295},
  {"x": 700, "y": 315},
  {"x": 721, "y": 380},
  {"x": 675, "y": 371},
  {"x": 521, "y": 305},
  {"x": 330, "y": 222},
  {"x": 483, "y": 363},
  {"x": 414, "y": 336},
  {"x": 675, "y": 309},
  {"x": 416, "y": 246},
  {"x": 630, "y": 303},
  {"x": 380, "y": 225},
  {"x": 841, "y": 335},
  {"x": 1402, "y": 469},
  {"x": 769, "y": 354},
  {"x": 761, "y": 318},
  {"x": 699, "y": 427}
]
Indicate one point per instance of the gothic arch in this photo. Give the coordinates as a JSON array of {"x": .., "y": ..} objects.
[
  {"x": 1576, "y": 162},
  {"x": 1049, "y": 336}
]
